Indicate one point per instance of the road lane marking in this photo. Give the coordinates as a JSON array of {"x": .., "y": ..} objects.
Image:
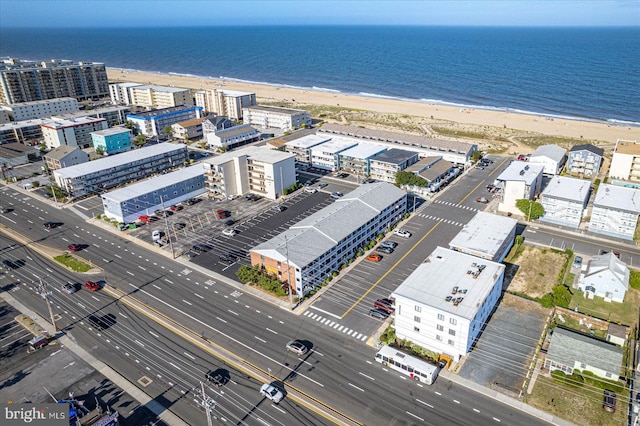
[
  {"x": 220, "y": 319},
  {"x": 258, "y": 338},
  {"x": 234, "y": 313},
  {"x": 272, "y": 331},
  {"x": 476, "y": 410},
  {"x": 456, "y": 401},
  {"x": 354, "y": 386},
  {"x": 189, "y": 355},
  {"x": 424, "y": 403},
  {"x": 496, "y": 419},
  {"x": 153, "y": 334},
  {"x": 413, "y": 415},
  {"x": 364, "y": 375},
  {"x": 156, "y": 286},
  {"x": 187, "y": 302},
  {"x": 197, "y": 295}
]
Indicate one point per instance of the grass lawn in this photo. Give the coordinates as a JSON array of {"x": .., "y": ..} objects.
[
  {"x": 574, "y": 324},
  {"x": 73, "y": 263},
  {"x": 579, "y": 405},
  {"x": 625, "y": 313}
]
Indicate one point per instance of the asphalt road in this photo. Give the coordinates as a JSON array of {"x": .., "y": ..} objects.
[{"x": 339, "y": 371}]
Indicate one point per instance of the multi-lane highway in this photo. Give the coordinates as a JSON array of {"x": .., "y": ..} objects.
[{"x": 339, "y": 372}]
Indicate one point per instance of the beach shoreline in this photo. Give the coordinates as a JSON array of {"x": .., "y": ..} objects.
[{"x": 528, "y": 122}]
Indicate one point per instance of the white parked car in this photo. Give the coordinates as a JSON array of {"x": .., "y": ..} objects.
[
  {"x": 156, "y": 235},
  {"x": 271, "y": 392},
  {"x": 233, "y": 197},
  {"x": 310, "y": 190},
  {"x": 402, "y": 233},
  {"x": 229, "y": 232}
]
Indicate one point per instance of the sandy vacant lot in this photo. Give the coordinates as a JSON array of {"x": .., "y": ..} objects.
[{"x": 538, "y": 271}]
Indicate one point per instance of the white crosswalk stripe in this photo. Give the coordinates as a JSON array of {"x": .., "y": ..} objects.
[{"x": 336, "y": 326}]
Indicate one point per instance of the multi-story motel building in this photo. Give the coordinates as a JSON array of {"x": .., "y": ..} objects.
[
  {"x": 188, "y": 129},
  {"x": 436, "y": 171},
  {"x": 564, "y": 200},
  {"x": 552, "y": 157},
  {"x": 233, "y": 137},
  {"x": 301, "y": 147},
  {"x": 64, "y": 156},
  {"x": 487, "y": 236},
  {"x": 73, "y": 132},
  {"x": 159, "y": 97},
  {"x": 252, "y": 169},
  {"x": 152, "y": 123},
  {"x": 112, "y": 140},
  {"x": 225, "y": 102},
  {"x": 143, "y": 198},
  {"x": 625, "y": 164},
  {"x": 99, "y": 175},
  {"x": 115, "y": 115},
  {"x": 384, "y": 166},
  {"x": 615, "y": 211},
  {"x": 585, "y": 160},
  {"x": 355, "y": 160},
  {"x": 520, "y": 180},
  {"x": 456, "y": 152},
  {"x": 276, "y": 117},
  {"x": 327, "y": 155},
  {"x": 32, "y": 81},
  {"x": 27, "y": 132},
  {"x": 444, "y": 304},
  {"x": 39, "y": 109},
  {"x": 120, "y": 93},
  {"x": 308, "y": 253}
]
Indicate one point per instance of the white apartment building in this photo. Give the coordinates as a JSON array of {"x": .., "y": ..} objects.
[
  {"x": 276, "y": 117},
  {"x": 225, "y": 102},
  {"x": 232, "y": 137},
  {"x": 99, "y": 175},
  {"x": 327, "y": 155},
  {"x": 520, "y": 180},
  {"x": 487, "y": 236},
  {"x": 319, "y": 244},
  {"x": 252, "y": 169},
  {"x": 552, "y": 157},
  {"x": 74, "y": 132},
  {"x": 625, "y": 163},
  {"x": 120, "y": 93},
  {"x": 301, "y": 147},
  {"x": 444, "y": 304},
  {"x": 152, "y": 123},
  {"x": 564, "y": 200},
  {"x": 384, "y": 166},
  {"x": 27, "y": 132},
  {"x": 615, "y": 211},
  {"x": 159, "y": 97},
  {"x": 355, "y": 160},
  {"x": 39, "y": 109}
]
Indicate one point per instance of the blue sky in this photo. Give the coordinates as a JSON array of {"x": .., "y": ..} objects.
[{"x": 136, "y": 13}]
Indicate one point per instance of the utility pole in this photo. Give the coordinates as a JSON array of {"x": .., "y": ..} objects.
[
  {"x": 166, "y": 225},
  {"x": 208, "y": 404},
  {"x": 286, "y": 248},
  {"x": 45, "y": 295}
]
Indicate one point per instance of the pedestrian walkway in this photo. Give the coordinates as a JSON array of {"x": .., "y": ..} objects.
[
  {"x": 335, "y": 325},
  {"x": 450, "y": 204},
  {"x": 431, "y": 217}
]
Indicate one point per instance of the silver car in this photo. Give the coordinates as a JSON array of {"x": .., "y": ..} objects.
[
  {"x": 297, "y": 346},
  {"x": 271, "y": 392}
]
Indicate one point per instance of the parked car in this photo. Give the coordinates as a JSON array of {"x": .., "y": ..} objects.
[
  {"x": 310, "y": 190},
  {"x": 156, "y": 235},
  {"x": 74, "y": 247},
  {"x": 383, "y": 249},
  {"x": 91, "y": 286},
  {"x": 229, "y": 232},
  {"x": 278, "y": 208},
  {"x": 297, "y": 346},
  {"x": 479, "y": 166},
  {"x": 322, "y": 185},
  {"x": 229, "y": 222},
  {"x": 10, "y": 264},
  {"x": 144, "y": 219},
  {"x": 227, "y": 258},
  {"x": 482, "y": 200},
  {"x": 384, "y": 305},
  {"x": 378, "y": 313},
  {"x": 609, "y": 401},
  {"x": 191, "y": 201},
  {"x": 49, "y": 225},
  {"x": 402, "y": 233},
  {"x": 388, "y": 243},
  {"x": 374, "y": 257},
  {"x": 218, "y": 377},
  {"x": 178, "y": 226},
  {"x": 336, "y": 195},
  {"x": 69, "y": 288},
  {"x": 4, "y": 210},
  {"x": 233, "y": 197},
  {"x": 271, "y": 392},
  {"x": 175, "y": 208},
  {"x": 577, "y": 262},
  {"x": 223, "y": 213}
]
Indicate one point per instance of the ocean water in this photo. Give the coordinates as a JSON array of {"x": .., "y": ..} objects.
[{"x": 585, "y": 73}]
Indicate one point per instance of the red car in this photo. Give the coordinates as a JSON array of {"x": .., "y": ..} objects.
[
  {"x": 374, "y": 257},
  {"x": 174, "y": 208},
  {"x": 144, "y": 219},
  {"x": 92, "y": 286},
  {"x": 222, "y": 214},
  {"x": 74, "y": 247}
]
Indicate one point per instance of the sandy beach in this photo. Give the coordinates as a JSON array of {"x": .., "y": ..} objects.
[{"x": 604, "y": 132}]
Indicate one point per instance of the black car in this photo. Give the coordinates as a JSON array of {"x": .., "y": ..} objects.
[
  {"x": 190, "y": 201},
  {"x": 378, "y": 313},
  {"x": 49, "y": 225},
  {"x": 227, "y": 258},
  {"x": 229, "y": 222},
  {"x": 383, "y": 249},
  {"x": 178, "y": 226},
  {"x": 10, "y": 264},
  {"x": 199, "y": 248},
  {"x": 218, "y": 377}
]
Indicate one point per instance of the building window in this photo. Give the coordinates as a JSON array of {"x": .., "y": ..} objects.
[
  {"x": 608, "y": 375},
  {"x": 452, "y": 332},
  {"x": 416, "y": 318},
  {"x": 441, "y": 317},
  {"x": 453, "y": 321},
  {"x": 440, "y": 327},
  {"x": 416, "y": 329},
  {"x": 451, "y": 342},
  {"x": 438, "y": 337},
  {"x": 418, "y": 308},
  {"x": 583, "y": 366}
]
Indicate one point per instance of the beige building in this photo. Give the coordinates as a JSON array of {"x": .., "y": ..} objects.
[
  {"x": 34, "y": 81},
  {"x": 74, "y": 132},
  {"x": 225, "y": 102},
  {"x": 120, "y": 93},
  {"x": 158, "y": 97},
  {"x": 625, "y": 163},
  {"x": 188, "y": 129},
  {"x": 276, "y": 117}
]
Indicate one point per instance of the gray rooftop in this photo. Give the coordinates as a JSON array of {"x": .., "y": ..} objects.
[
  {"x": 118, "y": 160},
  {"x": 618, "y": 198},
  {"x": 259, "y": 153},
  {"x": 395, "y": 137},
  {"x": 553, "y": 152},
  {"x": 308, "y": 141},
  {"x": 521, "y": 171},
  {"x": 485, "y": 233},
  {"x": 40, "y": 102},
  {"x": 422, "y": 164},
  {"x": 111, "y": 131},
  {"x": 235, "y": 130},
  {"x": 275, "y": 110},
  {"x": 316, "y": 234},
  {"x": 588, "y": 147},
  {"x": 163, "y": 111},
  {"x": 125, "y": 84},
  {"x": 155, "y": 183},
  {"x": 432, "y": 281},
  {"x": 436, "y": 170},
  {"x": 61, "y": 123},
  {"x": 567, "y": 347},
  {"x": 363, "y": 151},
  {"x": 13, "y": 125},
  {"x": 395, "y": 156},
  {"x": 60, "y": 152},
  {"x": 568, "y": 188},
  {"x": 93, "y": 112}
]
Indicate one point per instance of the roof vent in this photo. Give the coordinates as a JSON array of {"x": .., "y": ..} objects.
[
  {"x": 448, "y": 298},
  {"x": 521, "y": 172}
]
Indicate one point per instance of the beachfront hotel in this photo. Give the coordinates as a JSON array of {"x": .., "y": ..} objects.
[
  {"x": 615, "y": 211},
  {"x": 26, "y": 81},
  {"x": 625, "y": 164},
  {"x": 120, "y": 93},
  {"x": 72, "y": 132},
  {"x": 40, "y": 109},
  {"x": 225, "y": 102},
  {"x": 276, "y": 117},
  {"x": 159, "y": 97}
]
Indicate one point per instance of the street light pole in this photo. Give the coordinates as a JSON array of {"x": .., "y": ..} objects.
[
  {"x": 166, "y": 226},
  {"x": 286, "y": 248},
  {"x": 45, "y": 295},
  {"x": 205, "y": 404}
]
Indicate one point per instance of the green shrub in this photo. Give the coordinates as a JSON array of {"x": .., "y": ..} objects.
[{"x": 634, "y": 279}]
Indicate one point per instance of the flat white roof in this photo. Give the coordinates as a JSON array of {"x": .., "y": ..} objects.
[
  {"x": 111, "y": 131},
  {"x": 568, "y": 188},
  {"x": 153, "y": 184},
  {"x": 553, "y": 152},
  {"x": 125, "y": 84},
  {"x": 618, "y": 198},
  {"x": 521, "y": 171},
  {"x": 235, "y": 93},
  {"x": 24, "y": 123},
  {"x": 445, "y": 269},
  {"x": 40, "y": 102},
  {"x": 117, "y": 160},
  {"x": 60, "y": 123},
  {"x": 363, "y": 150},
  {"x": 334, "y": 145},
  {"x": 308, "y": 141},
  {"x": 160, "y": 88},
  {"x": 485, "y": 233},
  {"x": 260, "y": 153}
]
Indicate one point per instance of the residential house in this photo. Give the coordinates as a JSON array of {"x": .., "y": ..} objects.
[
  {"x": 615, "y": 211},
  {"x": 606, "y": 276},
  {"x": 64, "y": 156},
  {"x": 552, "y": 157},
  {"x": 585, "y": 160},
  {"x": 564, "y": 200},
  {"x": 520, "y": 180}
]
